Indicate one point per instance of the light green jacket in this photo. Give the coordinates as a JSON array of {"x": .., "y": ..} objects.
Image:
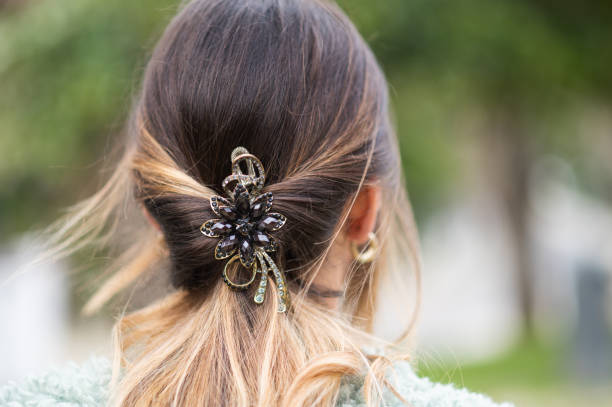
[{"x": 87, "y": 386}]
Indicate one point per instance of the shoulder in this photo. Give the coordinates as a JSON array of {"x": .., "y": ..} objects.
[
  {"x": 87, "y": 386},
  {"x": 418, "y": 391},
  {"x": 74, "y": 385}
]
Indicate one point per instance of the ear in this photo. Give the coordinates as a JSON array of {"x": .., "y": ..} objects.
[
  {"x": 150, "y": 218},
  {"x": 362, "y": 218}
]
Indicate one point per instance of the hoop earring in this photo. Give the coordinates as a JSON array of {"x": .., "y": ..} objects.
[{"x": 367, "y": 256}]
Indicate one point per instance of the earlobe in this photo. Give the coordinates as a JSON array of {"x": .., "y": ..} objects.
[{"x": 363, "y": 215}]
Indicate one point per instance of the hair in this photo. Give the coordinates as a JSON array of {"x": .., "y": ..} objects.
[{"x": 294, "y": 83}]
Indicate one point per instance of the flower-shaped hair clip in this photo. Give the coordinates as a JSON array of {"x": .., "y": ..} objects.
[{"x": 245, "y": 224}]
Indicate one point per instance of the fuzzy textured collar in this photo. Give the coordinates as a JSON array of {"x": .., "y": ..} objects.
[{"x": 87, "y": 386}]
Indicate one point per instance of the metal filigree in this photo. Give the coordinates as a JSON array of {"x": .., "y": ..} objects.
[{"x": 244, "y": 225}]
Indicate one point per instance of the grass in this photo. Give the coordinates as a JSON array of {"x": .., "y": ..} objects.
[{"x": 530, "y": 374}]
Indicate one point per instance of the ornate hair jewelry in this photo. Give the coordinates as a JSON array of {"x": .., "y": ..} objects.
[{"x": 245, "y": 225}]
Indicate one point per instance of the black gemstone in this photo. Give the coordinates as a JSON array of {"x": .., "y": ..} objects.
[
  {"x": 261, "y": 238},
  {"x": 241, "y": 200},
  {"x": 228, "y": 244},
  {"x": 257, "y": 210},
  {"x": 260, "y": 205},
  {"x": 221, "y": 228},
  {"x": 269, "y": 223},
  {"x": 242, "y": 205},
  {"x": 246, "y": 252},
  {"x": 228, "y": 213}
]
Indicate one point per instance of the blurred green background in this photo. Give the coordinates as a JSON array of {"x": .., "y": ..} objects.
[{"x": 482, "y": 92}]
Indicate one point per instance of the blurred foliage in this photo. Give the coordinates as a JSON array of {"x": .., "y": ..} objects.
[
  {"x": 539, "y": 61},
  {"x": 68, "y": 70}
]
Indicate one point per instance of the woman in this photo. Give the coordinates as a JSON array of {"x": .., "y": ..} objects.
[{"x": 260, "y": 153}]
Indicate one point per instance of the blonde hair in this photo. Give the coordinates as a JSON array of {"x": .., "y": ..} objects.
[{"x": 322, "y": 129}]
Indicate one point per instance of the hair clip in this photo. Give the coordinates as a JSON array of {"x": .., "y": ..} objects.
[{"x": 245, "y": 225}]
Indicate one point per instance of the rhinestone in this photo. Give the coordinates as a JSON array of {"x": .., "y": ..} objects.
[
  {"x": 221, "y": 228},
  {"x": 246, "y": 252},
  {"x": 261, "y": 239},
  {"x": 261, "y": 205},
  {"x": 242, "y": 204},
  {"x": 228, "y": 244},
  {"x": 228, "y": 213},
  {"x": 270, "y": 222},
  {"x": 257, "y": 210}
]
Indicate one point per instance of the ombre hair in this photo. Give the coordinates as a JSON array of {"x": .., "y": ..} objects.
[{"x": 294, "y": 83}]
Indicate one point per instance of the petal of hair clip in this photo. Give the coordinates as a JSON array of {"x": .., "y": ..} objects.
[
  {"x": 216, "y": 228},
  {"x": 215, "y": 201},
  {"x": 271, "y": 221},
  {"x": 261, "y": 239},
  {"x": 228, "y": 213},
  {"x": 241, "y": 200},
  {"x": 226, "y": 247},
  {"x": 247, "y": 252},
  {"x": 261, "y": 204},
  {"x": 271, "y": 246}
]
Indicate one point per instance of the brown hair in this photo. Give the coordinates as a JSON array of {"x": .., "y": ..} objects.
[{"x": 294, "y": 83}]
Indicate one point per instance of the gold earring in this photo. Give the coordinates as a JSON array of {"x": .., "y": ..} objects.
[{"x": 369, "y": 254}]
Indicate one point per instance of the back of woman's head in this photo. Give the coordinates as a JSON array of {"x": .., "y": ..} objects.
[{"x": 294, "y": 83}]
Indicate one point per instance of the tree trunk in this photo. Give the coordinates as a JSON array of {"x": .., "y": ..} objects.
[{"x": 509, "y": 161}]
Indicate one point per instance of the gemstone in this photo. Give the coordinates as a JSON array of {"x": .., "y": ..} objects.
[
  {"x": 246, "y": 253},
  {"x": 257, "y": 209},
  {"x": 228, "y": 213},
  {"x": 228, "y": 244},
  {"x": 221, "y": 228},
  {"x": 242, "y": 204},
  {"x": 260, "y": 238},
  {"x": 241, "y": 200},
  {"x": 261, "y": 205},
  {"x": 270, "y": 222}
]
